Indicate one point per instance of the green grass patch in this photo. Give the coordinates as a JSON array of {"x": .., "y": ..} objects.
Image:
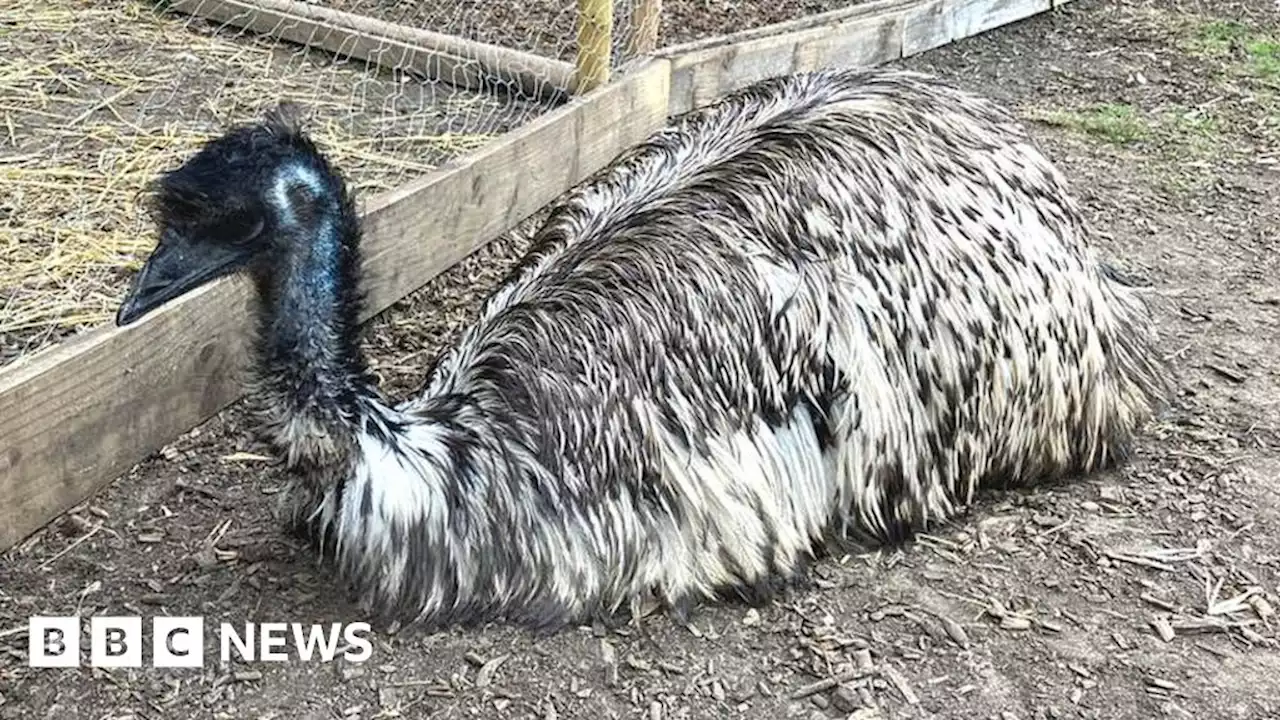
[
  {"x": 1249, "y": 51},
  {"x": 1264, "y": 58},
  {"x": 1217, "y": 37},
  {"x": 1181, "y": 131},
  {"x": 1114, "y": 123}
]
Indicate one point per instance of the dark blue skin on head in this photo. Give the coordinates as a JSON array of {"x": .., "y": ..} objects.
[{"x": 212, "y": 213}]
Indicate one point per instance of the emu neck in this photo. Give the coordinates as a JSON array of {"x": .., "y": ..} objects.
[{"x": 313, "y": 374}]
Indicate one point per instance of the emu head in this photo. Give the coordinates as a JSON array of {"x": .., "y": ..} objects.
[{"x": 219, "y": 212}]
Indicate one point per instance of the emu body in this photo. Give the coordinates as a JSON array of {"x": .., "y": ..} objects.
[{"x": 833, "y": 303}]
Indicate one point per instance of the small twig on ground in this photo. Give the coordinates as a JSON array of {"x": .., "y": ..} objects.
[
  {"x": 1134, "y": 560},
  {"x": 893, "y": 676},
  {"x": 829, "y": 683},
  {"x": 72, "y": 546}
]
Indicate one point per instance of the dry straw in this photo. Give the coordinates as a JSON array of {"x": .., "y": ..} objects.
[{"x": 97, "y": 97}]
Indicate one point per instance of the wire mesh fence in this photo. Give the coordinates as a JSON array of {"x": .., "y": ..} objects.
[
  {"x": 98, "y": 97},
  {"x": 546, "y": 28}
]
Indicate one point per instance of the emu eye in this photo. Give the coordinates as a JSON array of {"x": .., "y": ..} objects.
[{"x": 239, "y": 231}]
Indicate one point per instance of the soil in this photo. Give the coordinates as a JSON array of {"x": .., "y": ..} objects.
[{"x": 1146, "y": 592}]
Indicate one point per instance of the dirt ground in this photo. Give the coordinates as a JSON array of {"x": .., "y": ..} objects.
[{"x": 1144, "y": 593}]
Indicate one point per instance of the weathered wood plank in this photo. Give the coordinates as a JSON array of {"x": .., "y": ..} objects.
[
  {"x": 934, "y": 23},
  {"x": 972, "y": 17},
  {"x": 861, "y": 36},
  {"x": 809, "y": 22},
  {"x": 80, "y": 414},
  {"x": 447, "y": 58},
  {"x": 926, "y": 26},
  {"x": 870, "y": 36}
]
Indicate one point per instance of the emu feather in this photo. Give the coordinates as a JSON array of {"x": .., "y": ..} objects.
[{"x": 833, "y": 303}]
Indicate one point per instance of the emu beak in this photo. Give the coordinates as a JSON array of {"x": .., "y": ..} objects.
[{"x": 176, "y": 267}]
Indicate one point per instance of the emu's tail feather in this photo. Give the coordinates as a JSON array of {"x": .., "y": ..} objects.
[{"x": 1144, "y": 378}]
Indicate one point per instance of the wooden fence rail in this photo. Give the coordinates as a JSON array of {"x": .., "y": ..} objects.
[{"x": 76, "y": 416}]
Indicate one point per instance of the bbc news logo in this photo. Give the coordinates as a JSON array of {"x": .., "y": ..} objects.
[{"x": 177, "y": 642}]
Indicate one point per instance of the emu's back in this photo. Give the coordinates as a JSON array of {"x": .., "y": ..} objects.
[{"x": 843, "y": 296}]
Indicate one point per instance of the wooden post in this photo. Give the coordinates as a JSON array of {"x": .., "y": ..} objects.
[
  {"x": 595, "y": 43},
  {"x": 645, "y": 21}
]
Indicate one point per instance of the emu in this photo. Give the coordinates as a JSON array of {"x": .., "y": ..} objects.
[{"x": 832, "y": 306}]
